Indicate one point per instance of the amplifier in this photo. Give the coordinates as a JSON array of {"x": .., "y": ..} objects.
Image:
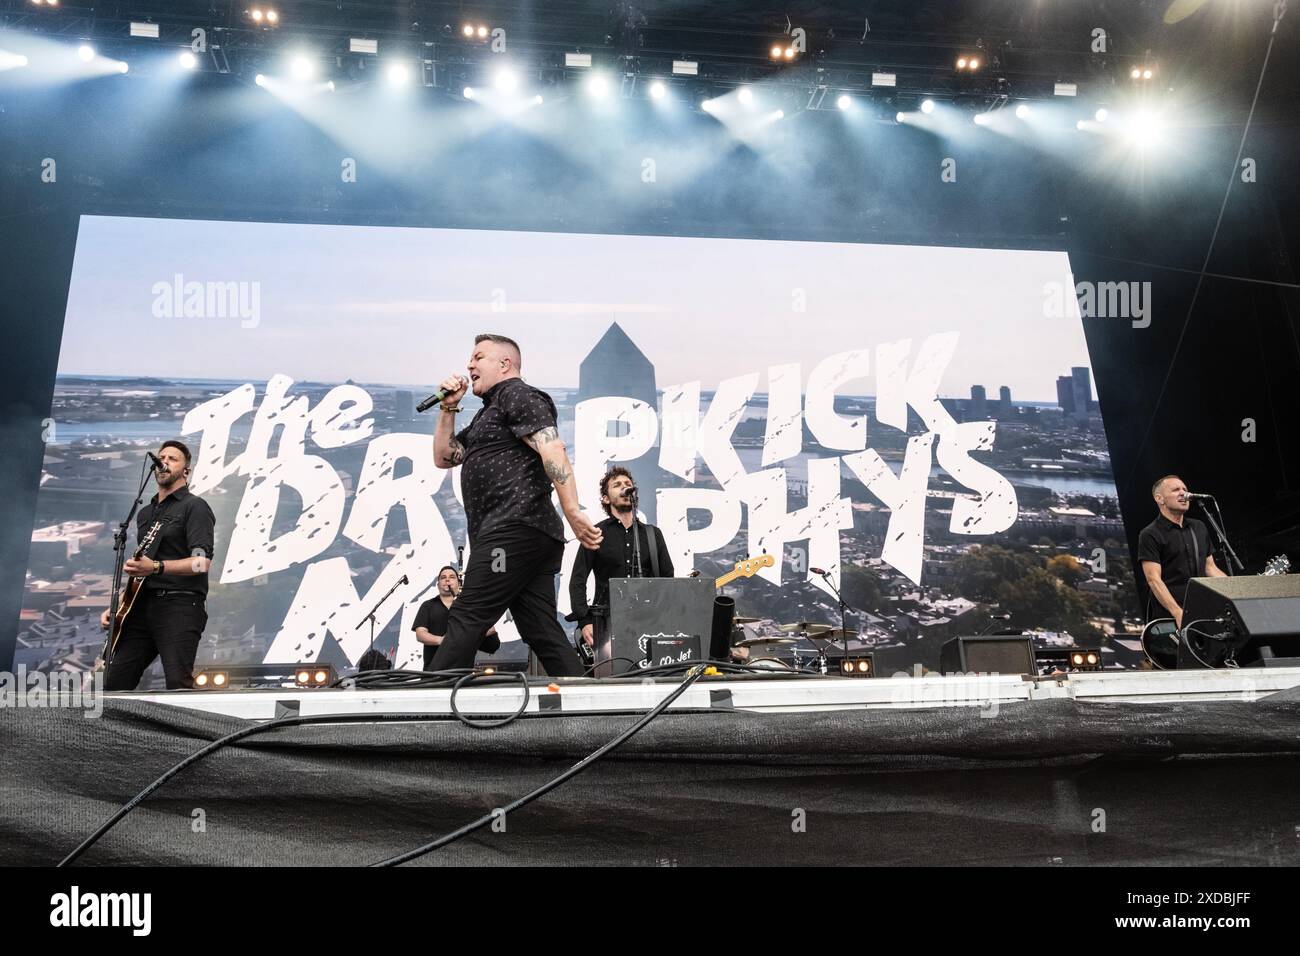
[{"x": 1258, "y": 615}]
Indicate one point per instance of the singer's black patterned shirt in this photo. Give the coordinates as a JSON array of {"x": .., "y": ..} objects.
[{"x": 502, "y": 479}]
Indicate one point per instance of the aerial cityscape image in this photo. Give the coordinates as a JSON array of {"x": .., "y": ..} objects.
[{"x": 827, "y": 404}]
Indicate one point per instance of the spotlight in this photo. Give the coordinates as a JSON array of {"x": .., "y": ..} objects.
[
  {"x": 707, "y": 106},
  {"x": 776, "y": 51},
  {"x": 538, "y": 99},
  {"x": 857, "y": 666},
  {"x": 1079, "y": 124},
  {"x": 974, "y": 63},
  {"x": 469, "y": 92},
  {"x": 657, "y": 90},
  {"x": 980, "y": 119},
  {"x": 961, "y": 63},
  {"x": 398, "y": 74},
  {"x": 219, "y": 679},
  {"x": 317, "y": 676},
  {"x": 789, "y": 53},
  {"x": 1022, "y": 111},
  {"x": 86, "y": 52},
  {"x": 330, "y": 86},
  {"x": 123, "y": 66},
  {"x": 844, "y": 102},
  {"x": 256, "y": 15},
  {"x": 598, "y": 87},
  {"x": 260, "y": 80},
  {"x": 927, "y": 106},
  {"x": 201, "y": 680},
  {"x": 301, "y": 68},
  {"x": 1100, "y": 115},
  {"x": 898, "y": 117},
  {"x": 1146, "y": 74},
  {"x": 506, "y": 80},
  {"x": 188, "y": 60},
  {"x": 481, "y": 32},
  {"x": 779, "y": 114},
  {"x": 467, "y": 30},
  {"x": 746, "y": 95},
  {"x": 272, "y": 16}
]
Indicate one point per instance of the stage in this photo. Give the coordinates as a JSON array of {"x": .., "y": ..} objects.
[{"x": 1093, "y": 769}]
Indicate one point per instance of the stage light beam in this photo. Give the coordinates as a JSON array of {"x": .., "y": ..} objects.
[
  {"x": 86, "y": 52},
  {"x": 1022, "y": 111},
  {"x": 746, "y": 95},
  {"x": 657, "y": 90},
  {"x": 844, "y": 102},
  {"x": 1100, "y": 115},
  {"x": 188, "y": 60},
  {"x": 398, "y": 74},
  {"x": 927, "y": 107},
  {"x": 301, "y": 68}
]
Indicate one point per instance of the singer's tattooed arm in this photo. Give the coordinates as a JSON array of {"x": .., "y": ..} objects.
[{"x": 555, "y": 460}]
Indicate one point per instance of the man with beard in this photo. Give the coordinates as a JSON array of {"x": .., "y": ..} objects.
[
  {"x": 629, "y": 548},
  {"x": 170, "y": 612}
]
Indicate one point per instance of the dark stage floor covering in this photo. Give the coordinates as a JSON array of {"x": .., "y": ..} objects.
[{"x": 1046, "y": 782}]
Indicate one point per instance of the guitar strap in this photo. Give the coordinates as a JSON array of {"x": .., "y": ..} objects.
[{"x": 652, "y": 542}]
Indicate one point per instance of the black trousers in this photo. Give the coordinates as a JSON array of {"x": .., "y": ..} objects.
[
  {"x": 160, "y": 625},
  {"x": 511, "y": 568}
]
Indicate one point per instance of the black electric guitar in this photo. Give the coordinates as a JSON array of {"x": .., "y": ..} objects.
[
  {"x": 1160, "y": 637},
  {"x": 129, "y": 593}
]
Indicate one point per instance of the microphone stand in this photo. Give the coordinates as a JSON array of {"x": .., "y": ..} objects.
[
  {"x": 636, "y": 537},
  {"x": 844, "y": 625},
  {"x": 119, "y": 556},
  {"x": 371, "y": 616},
  {"x": 1217, "y": 526}
]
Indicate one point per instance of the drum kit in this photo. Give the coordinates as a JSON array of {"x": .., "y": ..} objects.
[{"x": 791, "y": 650}]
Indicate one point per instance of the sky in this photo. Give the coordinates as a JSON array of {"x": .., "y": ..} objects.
[{"x": 401, "y": 305}]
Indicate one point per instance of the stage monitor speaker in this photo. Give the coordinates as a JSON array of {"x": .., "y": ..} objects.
[
  {"x": 1260, "y": 617},
  {"x": 988, "y": 654},
  {"x": 663, "y": 610}
]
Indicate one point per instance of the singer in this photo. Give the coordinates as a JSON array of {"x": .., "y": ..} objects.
[
  {"x": 511, "y": 456},
  {"x": 168, "y": 618},
  {"x": 629, "y": 548},
  {"x": 1173, "y": 549}
]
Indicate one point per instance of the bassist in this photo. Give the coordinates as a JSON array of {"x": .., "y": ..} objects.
[{"x": 167, "y": 617}]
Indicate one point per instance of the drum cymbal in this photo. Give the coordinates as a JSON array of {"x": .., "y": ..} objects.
[
  {"x": 811, "y": 628},
  {"x": 836, "y": 634},
  {"x": 751, "y": 641}
]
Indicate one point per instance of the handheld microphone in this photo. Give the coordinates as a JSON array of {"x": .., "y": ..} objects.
[{"x": 432, "y": 400}]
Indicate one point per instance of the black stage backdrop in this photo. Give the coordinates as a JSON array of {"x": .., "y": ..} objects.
[{"x": 1204, "y": 390}]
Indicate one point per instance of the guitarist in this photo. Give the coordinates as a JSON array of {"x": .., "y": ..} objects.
[
  {"x": 168, "y": 616},
  {"x": 618, "y": 552}
]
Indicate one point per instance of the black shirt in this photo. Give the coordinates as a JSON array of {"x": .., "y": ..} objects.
[
  {"x": 432, "y": 616},
  {"x": 1179, "y": 550},
  {"x": 188, "y": 530},
  {"x": 502, "y": 479},
  {"x": 614, "y": 559}
]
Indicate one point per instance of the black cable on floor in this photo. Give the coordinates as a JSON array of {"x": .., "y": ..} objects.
[
  {"x": 694, "y": 675},
  {"x": 495, "y": 679}
]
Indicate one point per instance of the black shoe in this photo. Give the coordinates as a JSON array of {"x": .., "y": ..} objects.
[{"x": 490, "y": 644}]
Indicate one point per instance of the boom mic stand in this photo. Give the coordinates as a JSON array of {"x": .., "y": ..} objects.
[
  {"x": 374, "y": 610},
  {"x": 1217, "y": 527}
]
